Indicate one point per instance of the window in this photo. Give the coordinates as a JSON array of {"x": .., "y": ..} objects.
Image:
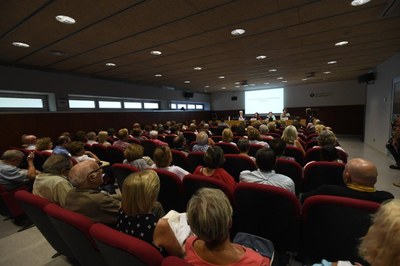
[
  {"x": 133, "y": 105},
  {"x": 180, "y": 106},
  {"x": 82, "y": 104},
  {"x": 199, "y": 107},
  {"x": 110, "y": 104},
  {"x": 191, "y": 106},
  {"x": 151, "y": 105},
  {"x": 173, "y": 105},
  {"x": 14, "y": 102}
]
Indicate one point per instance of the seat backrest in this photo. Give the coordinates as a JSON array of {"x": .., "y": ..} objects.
[
  {"x": 313, "y": 154},
  {"x": 115, "y": 154},
  {"x": 343, "y": 155},
  {"x": 228, "y": 148},
  {"x": 171, "y": 194},
  {"x": 311, "y": 135},
  {"x": 296, "y": 153},
  {"x": 174, "y": 261},
  {"x": 311, "y": 144},
  {"x": 74, "y": 229},
  {"x": 274, "y": 135},
  {"x": 33, "y": 206},
  {"x": 120, "y": 249},
  {"x": 195, "y": 159},
  {"x": 189, "y": 136},
  {"x": 121, "y": 171},
  {"x": 216, "y": 138},
  {"x": 134, "y": 140},
  {"x": 149, "y": 147},
  {"x": 254, "y": 148},
  {"x": 192, "y": 183},
  {"x": 236, "y": 163},
  {"x": 317, "y": 174},
  {"x": 179, "y": 158},
  {"x": 268, "y": 211},
  {"x": 101, "y": 152},
  {"x": 170, "y": 139},
  {"x": 333, "y": 226},
  {"x": 7, "y": 196},
  {"x": 291, "y": 169}
]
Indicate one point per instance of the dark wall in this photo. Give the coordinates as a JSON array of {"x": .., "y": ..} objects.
[
  {"x": 348, "y": 119},
  {"x": 53, "y": 124}
]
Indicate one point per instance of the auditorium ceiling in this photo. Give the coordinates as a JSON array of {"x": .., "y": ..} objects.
[{"x": 293, "y": 40}]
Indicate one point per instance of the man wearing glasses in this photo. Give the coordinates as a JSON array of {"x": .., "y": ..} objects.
[{"x": 87, "y": 198}]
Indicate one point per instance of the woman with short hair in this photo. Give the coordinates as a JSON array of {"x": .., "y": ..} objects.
[
  {"x": 163, "y": 159},
  {"x": 134, "y": 156},
  {"x": 290, "y": 136}
]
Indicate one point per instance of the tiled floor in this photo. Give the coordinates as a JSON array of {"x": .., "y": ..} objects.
[{"x": 29, "y": 248}]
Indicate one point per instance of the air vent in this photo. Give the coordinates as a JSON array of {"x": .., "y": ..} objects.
[{"x": 392, "y": 9}]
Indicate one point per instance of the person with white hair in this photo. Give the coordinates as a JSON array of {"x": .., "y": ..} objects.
[{"x": 154, "y": 138}]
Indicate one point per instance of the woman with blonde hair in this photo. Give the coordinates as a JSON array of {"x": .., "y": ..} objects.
[
  {"x": 227, "y": 136},
  {"x": 102, "y": 138},
  {"x": 44, "y": 144},
  {"x": 163, "y": 159},
  {"x": 140, "y": 213},
  {"x": 290, "y": 136},
  {"x": 209, "y": 215},
  {"x": 134, "y": 156}
]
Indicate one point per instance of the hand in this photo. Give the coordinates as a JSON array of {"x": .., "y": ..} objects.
[{"x": 30, "y": 157}]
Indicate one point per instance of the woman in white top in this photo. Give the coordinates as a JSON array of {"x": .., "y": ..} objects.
[
  {"x": 227, "y": 136},
  {"x": 163, "y": 158}
]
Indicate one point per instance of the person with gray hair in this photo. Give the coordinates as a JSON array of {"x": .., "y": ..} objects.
[
  {"x": 209, "y": 215},
  {"x": 87, "y": 198},
  {"x": 154, "y": 138},
  {"x": 201, "y": 142},
  {"x": 52, "y": 184},
  {"x": 11, "y": 176}
]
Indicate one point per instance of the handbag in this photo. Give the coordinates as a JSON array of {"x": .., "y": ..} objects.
[{"x": 259, "y": 244}]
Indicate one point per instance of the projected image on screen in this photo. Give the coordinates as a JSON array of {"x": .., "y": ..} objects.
[{"x": 263, "y": 101}]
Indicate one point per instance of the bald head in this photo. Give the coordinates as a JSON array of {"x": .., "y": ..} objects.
[
  {"x": 361, "y": 172},
  {"x": 79, "y": 174}
]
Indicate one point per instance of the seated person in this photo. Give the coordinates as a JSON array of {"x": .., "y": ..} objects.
[
  {"x": 263, "y": 129},
  {"x": 52, "y": 184},
  {"x": 270, "y": 116},
  {"x": 137, "y": 216},
  {"x": 244, "y": 147},
  {"x": 360, "y": 177},
  {"x": 79, "y": 153},
  {"x": 291, "y": 138},
  {"x": 180, "y": 144},
  {"x": 241, "y": 117},
  {"x": 285, "y": 115},
  {"x": 29, "y": 142},
  {"x": 102, "y": 138},
  {"x": 163, "y": 159},
  {"x": 11, "y": 176},
  {"x": 329, "y": 153},
  {"x": 227, "y": 136},
  {"x": 154, "y": 138},
  {"x": 278, "y": 146},
  {"x": 62, "y": 144},
  {"x": 86, "y": 197},
  {"x": 201, "y": 142},
  {"x": 91, "y": 138},
  {"x": 122, "y": 141},
  {"x": 44, "y": 144},
  {"x": 254, "y": 137},
  {"x": 265, "y": 174},
  {"x": 214, "y": 159},
  {"x": 210, "y": 218},
  {"x": 327, "y": 137},
  {"x": 134, "y": 156}
]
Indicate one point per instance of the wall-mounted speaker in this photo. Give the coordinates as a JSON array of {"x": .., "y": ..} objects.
[
  {"x": 368, "y": 78},
  {"x": 234, "y": 98},
  {"x": 188, "y": 94}
]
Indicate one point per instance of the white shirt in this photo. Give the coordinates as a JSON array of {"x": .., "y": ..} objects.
[
  {"x": 268, "y": 178},
  {"x": 175, "y": 169}
]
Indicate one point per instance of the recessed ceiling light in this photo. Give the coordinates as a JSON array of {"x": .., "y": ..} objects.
[
  {"x": 20, "y": 44},
  {"x": 359, "y": 2},
  {"x": 284, "y": 81},
  {"x": 197, "y": 68},
  {"x": 206, "y": 86},
  {"x": 187, "y": 81},
  {"x": 261, "y": 57},
  {"x": 110, "y": 64},
  {"x": 65, "y": 19},
  {"x": 237, "y": 83},
  {"x": 237, "y": 32},
  {"x": 342, "y": 43},
  {"x": 156, "y": 52},
  {"x": 304, "y": 79},
  {"x": 266, "y": 83},
  {"x": 327, "y": 72},
  {"x": 252, "y": 84},
  {"x": 272, "y": 70},
  {"x": 158, "y": 75},
  {"x": 279, "y": 78},
  {"x": 223, "y": 88},
  {"x": 237, "y": 86},
  {"x": 245, "y": 85},
  {"x": 221, "y": 77},
  {"x": 331, "y": 62},
  {"x": 58, "y": 53}
]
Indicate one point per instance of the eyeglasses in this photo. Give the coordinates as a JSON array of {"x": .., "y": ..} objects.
[{"x": 94, "y": 171}]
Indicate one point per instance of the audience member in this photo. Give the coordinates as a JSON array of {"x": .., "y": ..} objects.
[
  {"x": 134, "y": 156},
  {"x": 155, "y": 140},
  {"x": 163, "y": 159},
  {"x": 11, "y": 176},
  {"x": 263, "y": 129},
  {"x": 210, "y": 218},
  {"x": 244, "y": 147},
  {"x": 29, "y": 142},
  {"x": 44, "y": 144},
  {"x": 201, "y": 142},
  {"x": 360, "y": 177},
  {"x": 91, "y": 138},
  {"x": 102, "y": 138},
  {"x": 179, "y": 144},
  {"x": 61, "y": 145},
  {"x": 254, "y": 137},
  {"x": 329, "y": 153},
  {"x": 327, "y": 137},
  {"x": 265, "y": 174},
  {"x": 137, "y": 216},
  {"x": 227, "y": 136},
  {"x": 80, "y": 135},
  {"x": 278, "y": 146},
  {"x": 86, "y": 197},
  {"x": 79, "y": 153},
  {"x": 122, "y": 141},
  {"x": 214, "y": 159},
  {"x": 291, "y": 138},
  {"x": 52, "y": 184}
]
